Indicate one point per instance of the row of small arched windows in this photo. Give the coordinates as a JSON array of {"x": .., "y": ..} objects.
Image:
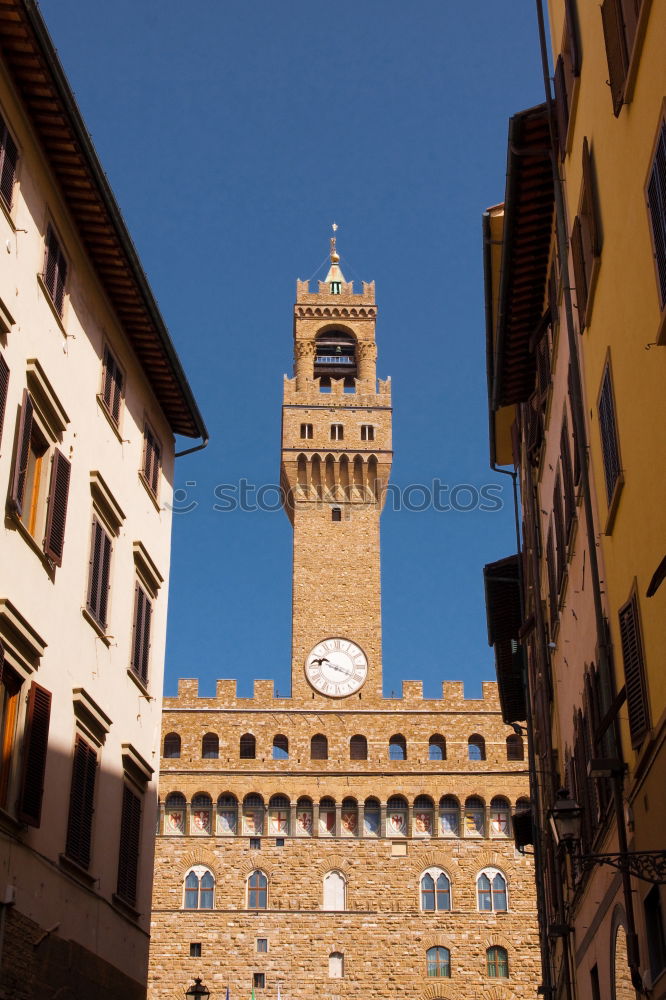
[
  {"x": 358, "y": 747},
  {"x": 435, "y": 890},
  {"x": 253, "y": 818}
]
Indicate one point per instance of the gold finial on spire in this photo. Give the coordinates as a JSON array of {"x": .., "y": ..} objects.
[{"x": 335, "y": 256}]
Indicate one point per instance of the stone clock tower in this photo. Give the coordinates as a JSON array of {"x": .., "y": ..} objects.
[{"x": 336, "y": 461}]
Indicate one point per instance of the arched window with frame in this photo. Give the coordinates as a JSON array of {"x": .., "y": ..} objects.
[
  {"x": 319, "y": 747},
  {"x": 349, "y": 817},
  {"x": 175, "y": 809},
  {"x": 210, "y": 746},
  {"x": 280, "y": 747},
  {"x": 200, "y": 815},
  {"x": 227, "y": 815},
  {"x": 438, "y": 961},
  {"x": 435, "y": 891},
  {"x": 371, "y": 817},
  {"x": 491, "y": 891},
  {"x": 497, "y": 962},
  {"x": 199, "y": 889},
  {"x": 515, "y": 749},
  {"x": 500, "y": 822},
  {"x": 449, "y": 816},
  {"x": 398, "y": 747},
  {"x": 475, "y": 814},
  {"x": 257, "y": 890},
  {"x": 248, "y": 747},
  {"x": 278, "y": 815},
  {"x": 253, "y": 815},
  {"x": 358, "y": 748},
  {"x": 476, "y": 747},
  {"x": 424, "y": 810},
  {"x": 327, "y": 817},
  {"x": 335, "y": 891},
  {"x": 396, "y": 816},
  {"x": 436, "y": 747},
  {"x": 304, "y": 817},
  {"x": 171, "y": 746}
]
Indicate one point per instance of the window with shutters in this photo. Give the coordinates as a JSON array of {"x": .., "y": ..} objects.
[
  {"x": 39, "y": 484},
  {"x": 128, "y": 852},
  {"x": 586, "y": 241},
  {"x": 4, "y": 388},
  {"x": 152, "y": 460},
  {"x": 113, "y": 386},
  {"x": 8, "y": 162},
  {"x": 634, "y": 670},
  {"x": 99, "y": 572},
  {"x": 567, "y": 72},
  {"x": 656, "y": 202},
  {"x": 620, "y": 26},
  {"x": 610, "y": 449},
  {"x": 143, "y": 611},
  {"x": 81, "y": 803},
  {"x": 55, "y": 270}
]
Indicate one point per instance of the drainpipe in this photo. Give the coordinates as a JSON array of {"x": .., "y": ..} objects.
[
  {"x": 577, "y": 412},
  {"x": 197, "y": 447}
]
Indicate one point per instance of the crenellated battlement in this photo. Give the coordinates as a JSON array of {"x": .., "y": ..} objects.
[
  {"x": 346, "y": 295},
  {"x": 226, "y": 697}
]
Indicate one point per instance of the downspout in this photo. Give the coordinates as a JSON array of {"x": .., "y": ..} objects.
[
  {"x": 577, "y": 413},
  {"x": 531, "y": 759},
  {"x": 198, "y": 447}
]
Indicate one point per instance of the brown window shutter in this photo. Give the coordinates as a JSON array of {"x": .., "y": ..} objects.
[
  {"x": 616, "y": 50},
  {"x": 99, "y": 571},
  {"x": 128, "y": 855},
  {"x": 55, "y": 270},
  {"x": 81, "y": 801},
  {"x": 634, "y": 671},
  {"x": 657, "y": 208},
  {"x": 113, "y": 385},
  {"x": 35, "y": 747},
  {"x": 576, "y": 459},
  {"x": 579, "y": 271},
  {"x": 2, "y": 660},
  {"x": 573, "y": 37},
  {"x": 56, "y": 513},
  {"x": 590, "y": 201},
  {"x": 567, "y": 481},
  {"x": 561, "y": 106},
  {"x": 141, "y": 633},
  {"x": 560, "y": 534},
  {"x": 22, "y": 452},
  {"x": 552, "y": 296},
  {"x": 608, "y": 431},
  {"x": 4, "y": 388},
  {"x": 552, "y": 579},
  {"x": 8, "y": 161}
]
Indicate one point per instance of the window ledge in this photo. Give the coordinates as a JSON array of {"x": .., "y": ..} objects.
[
  {"x": 614, "y": 504},
  {"x": 79, "y": 872},
  {"x": 16, "y": 522},
  {"x": 139, "y": 683},
  {"x": 92, "y": 621},
  {"x": 56, "y": 314},
  {"x": 125, "y": 907},
  {"x": 9, "y": 824},
  {"x": 112, "y": 424},
  {"x": 150, "y": 493}
]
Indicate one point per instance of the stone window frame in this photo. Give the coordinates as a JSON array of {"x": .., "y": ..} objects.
[
  {"x": 435, "y": 872},
  {"x": 491, "y": 872},
  {"x": 199, "y": 871}
]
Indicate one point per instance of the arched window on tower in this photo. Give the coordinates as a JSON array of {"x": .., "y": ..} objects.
[
  {"x": 424, "y": 810},
  {"x": 172, "y": 745},
  {"x": 280, "y": 747},
  {"x": 175, "y": 808},
  {"x": 335, "y": 357},
  {"x": 278, "y": 815},
  {"x": 358, "y": 748},
  {"x": 500, "y": 812},
  {"x": 227, "y": 815},
  {"x": 476, "y": 747},
  {"x": 437, "y": 747},
  {"x": 210, "y": 746},
  {"x": 248, "y": 747},
  {"x": 200, "y": 815},
  {"x": 319, "y": 747},
  {"x": 514, "y": 747},
  {"x": 398, "y": 747}
]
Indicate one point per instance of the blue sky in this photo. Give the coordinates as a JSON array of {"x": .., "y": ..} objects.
[{"x": 233, "y": 135}]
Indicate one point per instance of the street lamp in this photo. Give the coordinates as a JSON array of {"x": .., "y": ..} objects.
[
  {"x": 197, "y": 990},
  {"x": 565, "y": 819}
]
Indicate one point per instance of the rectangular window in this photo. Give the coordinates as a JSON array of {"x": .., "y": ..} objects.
[
  {"x": 634, "y": 671},
  {"x": 98, "y": 573},
  {"x": 4, "y": 388},
  {"x": 258, "y": 980},
  {"x": 620, "y": 20},
  {"x": 128, "y": 854},
  {"x": 279, "y": 841},
  {"x": 81, "y": 803},
  {"x": 367, "y": 432},
  {"x": 656, "y": 196},
  {"x": 306, "y": 431},
  {"x": 195, "y": 949},
  {"x": 55, "y": 270},
  {"x": 8, "y": 161},
  {"x": 143, "y": 610},
  {"x": 10, "y": 688},
  {"x": 113, "y": 383},
  {"x": 255, "y": 843},
  {"x": 654, "y": 923},
  {"x": 262, "y": 944},
  {"x": 337, "y": 432},
  {"x": 586, "y": 240},
  {"x": 609, "y": 440},
  {"x": 152, "y": 460}
]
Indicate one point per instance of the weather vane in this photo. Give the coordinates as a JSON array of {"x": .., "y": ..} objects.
[{"x": 334, "y": 252}]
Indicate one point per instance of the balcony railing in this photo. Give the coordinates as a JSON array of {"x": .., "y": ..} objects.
[{"x": 336, "y": 359}]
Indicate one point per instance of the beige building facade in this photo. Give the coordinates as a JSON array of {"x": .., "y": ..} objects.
[
  {"x": 91, "y": 396},
  {"x": 338, "y": 843}
]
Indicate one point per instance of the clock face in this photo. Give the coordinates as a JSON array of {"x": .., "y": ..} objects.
[{"x": 336, "y": 667}]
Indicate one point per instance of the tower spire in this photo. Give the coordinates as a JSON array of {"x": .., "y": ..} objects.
[{"x": 335, "y": 277}]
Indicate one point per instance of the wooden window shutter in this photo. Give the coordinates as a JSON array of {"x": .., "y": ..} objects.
[
  {"x": 22, "y": 453},
  {"x": 573, "y": 37},
  {"x": 4, "y": 388},
  {"x": 141, "y": 633},
  {"x": 56, "y": 513},
  {"x": 589, "y": 206},
  {"x": 552, "y": 578},
  {"x": 128, "y": 855},
  {"x": 560, "y": 534},
  {"x": 576, "y": 458},
  {"x": 2, "y": 660},
  {"x": 616, "y": 50},
  {"x": 567, "y": 481},
  {"x": 81, "y": 801},
  {"x": 8, "y": 160},
  {"x": 98, "y": 579},
  {"x": 561, "y": 106},
  {"x": 152, "y": 460},
  {"x": 55, "y": 270},
  {"x": 634, "y": 671},
  {"x": 113, "y": 385},
  {"x": 657, "y": 209},
  {"x": 579, "y": 271},
  {"x": 35, "y": 747},
  {"x": 608, "y": 431},
  {"x": 552, "y": 296}
]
